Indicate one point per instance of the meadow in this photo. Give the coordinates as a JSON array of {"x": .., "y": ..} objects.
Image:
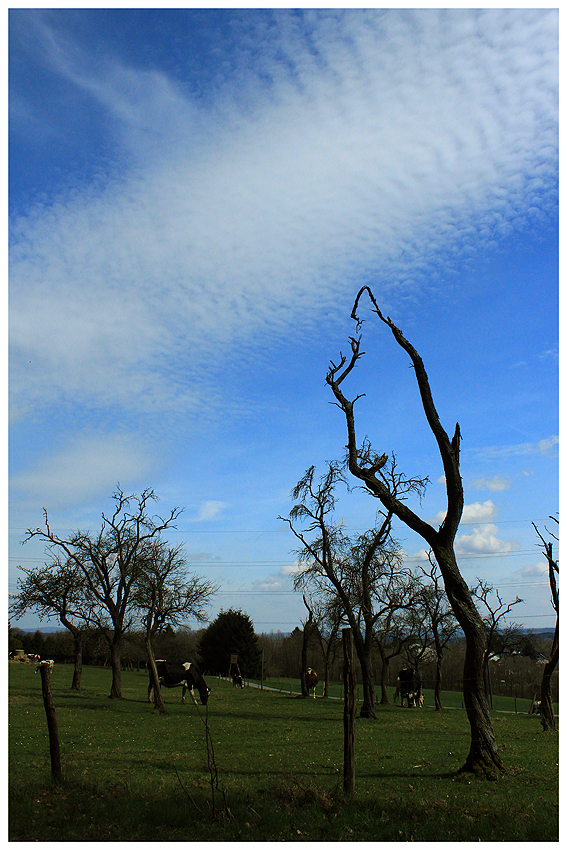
[{"x": 274, "y": 772}]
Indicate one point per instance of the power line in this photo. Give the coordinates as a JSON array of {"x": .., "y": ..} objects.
[
  {"x": 285, "y": 530},
  {"x": 193, "y": 565}
]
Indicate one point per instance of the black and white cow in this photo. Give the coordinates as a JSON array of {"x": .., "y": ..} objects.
[
  {"x": 409, "y": 687},
  {"x": 237, "y": 681},
  {"x": 173, "y": 674}
]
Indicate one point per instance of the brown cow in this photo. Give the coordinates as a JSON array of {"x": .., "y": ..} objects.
[{"x": 311, "y": 679}]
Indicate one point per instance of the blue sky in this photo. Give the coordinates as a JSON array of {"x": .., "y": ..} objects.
[{"x": 196, "y": 197}]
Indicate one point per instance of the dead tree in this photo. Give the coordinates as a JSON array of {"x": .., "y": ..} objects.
[
  {"x": 546, "y": 710},
  {"x": 371, "y": 467}
]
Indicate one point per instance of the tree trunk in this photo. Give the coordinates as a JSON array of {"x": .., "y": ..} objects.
[
  {"x": 438, "y": 705},
  {"x": 304, "y": 647},
  {"x": 483, "y": 755},
  {"x": 348, "y": 714},
  {"x": 116, "y": 687},
  {"x": 363, "y": 651},
  {"x": 78, "y": 665},
  {"x": 384, "y": 682},
  {"x": 158, "y": 696},
  {"x": 368, "y": 708},
  {"x": 547, "y": 716}
]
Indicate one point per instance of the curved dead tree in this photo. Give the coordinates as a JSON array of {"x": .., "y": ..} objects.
[
  {"x": 370, "y": 467},
  {"x": 546, "y": 710}
]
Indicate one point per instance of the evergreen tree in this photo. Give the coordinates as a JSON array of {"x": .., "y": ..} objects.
[{"x": 232, "y": 633}]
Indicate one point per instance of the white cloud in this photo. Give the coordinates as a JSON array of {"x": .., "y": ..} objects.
[
  {"x": 292, "y": 569},
  {"x": 419, "y": 557},
  {"x": 483, "y": 540},
  {"x": 390, "y": 138},
  {"x": 476, "y": 512},
  {"x": 280, "y": 581},
  {"x": 209, "y": 510},
  {"x": 495, "y": 484},
  {"x": 533, "y": 571}
]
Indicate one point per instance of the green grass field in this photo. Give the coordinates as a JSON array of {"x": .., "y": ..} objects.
[{"x": 132, "y": 775}]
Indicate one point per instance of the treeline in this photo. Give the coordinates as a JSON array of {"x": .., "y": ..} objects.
[{"x": 517, "y": 674}]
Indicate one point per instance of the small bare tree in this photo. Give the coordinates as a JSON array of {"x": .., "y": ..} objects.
[
  {"x": 369, "y": 466},
  {"x": 501, "y": 638},
  {"x": 547, "y": 715},
  {"x": 165, "y": 594},
  {"x": 441, "y": 620},
  {"x": 59, "y": 590},
  {"x": 352, "y": 569},
  {"x": 110, "y": 562},
  {"x": 328, "y": 616}
]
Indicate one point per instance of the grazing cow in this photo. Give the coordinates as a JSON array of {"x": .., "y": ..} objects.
[
  {"x": 173, "y": 674},
  {"x": 44, "y": 664},
  {"x": 311, "y": 679},
  {"x": 409, "y": 687},
  {"x": 237, "y": 681}
]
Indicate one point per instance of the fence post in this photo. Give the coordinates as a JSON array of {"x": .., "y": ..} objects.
[
  {"x": 349, "y": 713},
  {"x": 54, "y": 751}
]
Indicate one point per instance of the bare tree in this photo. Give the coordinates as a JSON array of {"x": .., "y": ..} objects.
[
  {"x": 110, "y": 562},
  {"x": 441, "y": 620},
  {"x": 165, "y": 594},
  {"x": 59, "y": 590},
  {"x": 395, "y": 596},
  {"x": 327, "y": 617},
  {"x": 353, "y": 569},
  {"x": 501, "y": 638},
  {"x": 369, "y": 467},
  {"x": 547, "y": 715},
  {"x": 390, "y": 638}
]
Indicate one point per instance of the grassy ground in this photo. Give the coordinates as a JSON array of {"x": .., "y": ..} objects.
[
  {"x": 450, "y": 699},
  {"x": 130, "y": 774}
]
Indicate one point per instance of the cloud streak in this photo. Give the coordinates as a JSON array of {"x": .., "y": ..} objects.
[
  {"x": 547, "y": 446},
  {"x": 379, "y": 141},
  {"x": 88, "y": 466}
]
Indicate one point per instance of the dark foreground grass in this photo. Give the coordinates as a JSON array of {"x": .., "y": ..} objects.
[{"x": 132, "y": 775}]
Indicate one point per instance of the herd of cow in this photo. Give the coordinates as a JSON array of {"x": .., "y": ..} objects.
[{"x": 173, "y": 674}]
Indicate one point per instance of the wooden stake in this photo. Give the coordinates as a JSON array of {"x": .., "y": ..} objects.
[
  {"x": 349, "y": 713},
  {"x": 45, "y": 670}
]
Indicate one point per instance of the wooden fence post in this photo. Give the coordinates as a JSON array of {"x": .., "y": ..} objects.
[
  {"x": 54, "y": 751},
  {"x": 349, "y": 713}
]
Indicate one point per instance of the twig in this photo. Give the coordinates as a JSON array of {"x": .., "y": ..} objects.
[{"x": 185, "y": 791}]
